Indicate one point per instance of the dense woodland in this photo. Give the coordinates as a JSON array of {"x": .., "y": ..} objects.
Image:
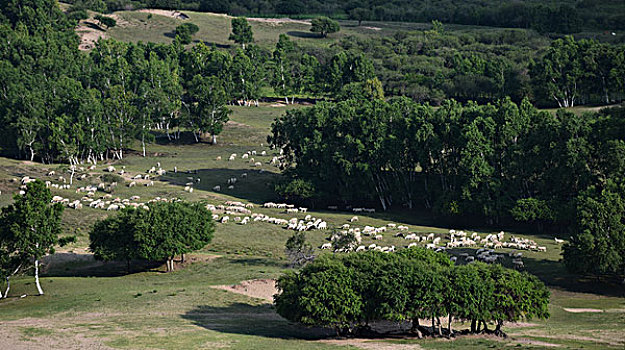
[
  {"x": 372, "y": 141},
  {"x": 561, "y": 16}
]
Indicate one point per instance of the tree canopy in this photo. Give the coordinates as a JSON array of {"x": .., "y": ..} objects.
[{"x": 324, "y": 26}]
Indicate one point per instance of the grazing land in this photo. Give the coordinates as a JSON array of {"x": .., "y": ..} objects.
[{"x": 97, "y": 305}]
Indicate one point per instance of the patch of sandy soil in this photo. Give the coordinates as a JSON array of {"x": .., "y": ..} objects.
[
  {"x": 372, "y": 28},
  {"x": 88, "y": 34},
  {"x": 166, "y": 13},
  {"x": 277, "y": 105},
  {"x": 577, "y": 310},
  {"x": 370, "y": 344},
  {"x": 233, "y": 123},
  {"x": 278, "y": 21},
  {"x": 519, "y": 324},
  {"x": 260, "y": 288},
  {"x": 610, "y": 339}
]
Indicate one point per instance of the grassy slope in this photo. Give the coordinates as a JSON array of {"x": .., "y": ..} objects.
[{"x": 169, "y": 311}]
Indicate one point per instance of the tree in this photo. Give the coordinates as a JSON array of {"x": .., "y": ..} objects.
[
  {"x": 598, "y": 247},
  {"x": 207, "y": 103},
  {"x": 324, "y": 26},
  {"x": 31, "y": 226},
  {"x": 360, "y": 14},
  {"x": 185, "y": 31},
  {"x": 113, "y": 239},
  {"x": 173, "y": 229},
  {"x": 108, "y": 22},
  {"x": 241, "y": 32},
  {"x": 297, "y": 250}
]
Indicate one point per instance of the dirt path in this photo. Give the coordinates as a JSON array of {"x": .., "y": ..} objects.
[
  {"x": 370, "y": 344},
  {"x": 261, "y": 288},
  {"x": 278, "y": 21},
  {"x": 166, "y": 13}
]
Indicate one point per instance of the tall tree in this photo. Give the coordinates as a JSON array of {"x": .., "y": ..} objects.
[
  {"x": 324, "y": 26},
  {"x": 241, "y": 32},
  {"x": 32, "y": 226}
]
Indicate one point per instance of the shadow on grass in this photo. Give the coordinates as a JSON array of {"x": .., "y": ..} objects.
[
  {"x": 259, "y": 320},
  {"x": 255, "y": 187},
  {"x": 259, "y": 262},
  {"x": 305, "y": 35},
  {"x": 554, "y": 274},
  {"x": 211, "y": 44},
  {"x": 84, "y": 265}
]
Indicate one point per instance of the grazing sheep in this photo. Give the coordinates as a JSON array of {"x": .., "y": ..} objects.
[
  {"x": 132, "y": 184},
  {"x": 326, "y": 246},
  {"x": 353, "y": 219},
  {"x": 231, "y": 187},
  {"x": 559, "y": 241},
  {"x": 258, "y": 164},
  {"x": 218, "y": 158}
]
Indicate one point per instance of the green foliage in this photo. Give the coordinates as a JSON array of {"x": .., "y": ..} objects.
[
  {"x": 296, "y": 190},
  {"x": 161, "y": 232},
  {"x": 376, "y": 286},
  {"x": 324, "y": 26},
  {"x": 29, "y": 229},
  {"x": 241, "y": 31},
  {"x": 599, "y": 245},
  {"x": 186, "y": 31},
  {"x": 297, "y": 250},
  {"x": 106, "y": 21}
]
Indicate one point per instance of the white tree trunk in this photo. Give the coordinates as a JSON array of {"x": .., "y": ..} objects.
[
  {"x": 214, "y": 139},
  {"x": 37, "y": 277},
  {"x": 6, "y": 292}
]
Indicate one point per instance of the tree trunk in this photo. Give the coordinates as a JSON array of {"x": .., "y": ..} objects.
[
  {"x": 37, "y": 277},
  {"x": 438, "y": 324},
  {"x": 473, "y": 326},
  {"x": 143, "y": 144},
  {"x": 128, "y": 265},
  {"x": 415, "y": 327},
  {"x": 182, "y": 258},
  {"x": 214, "y": 141},
  {"x": 449, "y": 324},
  {"x": 485, "y": 326}
]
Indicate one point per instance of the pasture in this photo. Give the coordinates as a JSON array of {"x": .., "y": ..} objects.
[{"x": 94, "y": 305}]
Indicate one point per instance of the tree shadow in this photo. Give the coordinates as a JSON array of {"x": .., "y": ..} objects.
[
  {"x": 209, "y": 44},
  {"x": 84, "y": 265},
  {"x": 255, "y": 186},
  {"x": 554, "y": 274},
  {"x": 94, "y": 26},
  {"x": 305, "y": 35},
  {"x": 259, "y": 320},
  {"x": 263, "y": 262}
]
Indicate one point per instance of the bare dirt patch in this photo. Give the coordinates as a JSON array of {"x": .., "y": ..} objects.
[
  {"x": 577, "y": 310},
  {"x": 89, "y": 34},
  {"x": 166, "y": 13},
  {"x": 278, "y": 21},
  {"x": 261, "y": 288},
  {"x": 372, "y": 28}
]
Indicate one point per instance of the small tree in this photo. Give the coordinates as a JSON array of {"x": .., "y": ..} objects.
[
  {"x": 30, "y": 228},
  {"x": 241, "y": 32},
  {"x": 186, "y": 31},
  {"x": 297, "y": 250},
  {"x": 324, "y": 26}
]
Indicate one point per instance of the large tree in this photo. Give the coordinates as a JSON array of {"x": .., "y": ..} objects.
[{"x": 30, "y": 227}]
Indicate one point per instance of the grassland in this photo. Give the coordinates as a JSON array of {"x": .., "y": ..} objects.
[{"x": 94, "y": 305}]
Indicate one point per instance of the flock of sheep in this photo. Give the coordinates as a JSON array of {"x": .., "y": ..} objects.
[{"x": 242, "y": 214}]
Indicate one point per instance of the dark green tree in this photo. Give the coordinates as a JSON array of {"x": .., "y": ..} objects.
[
  {"x": 241, "y": 32},
  {"x": 324, "y": 26},
  {"x": 31, "y": 227}
]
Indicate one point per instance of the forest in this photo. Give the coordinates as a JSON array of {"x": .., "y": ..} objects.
[
  {"x": 560, "y": 16},
  {"x": 497, "y": 161}
]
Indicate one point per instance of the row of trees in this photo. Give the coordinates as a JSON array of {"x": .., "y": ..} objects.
[
  {"x": 350, "y": 292},
  {"x": 60, "y": 104},
  {"x": 484, "y": 163},
  {"x": 163, "y": 232}
]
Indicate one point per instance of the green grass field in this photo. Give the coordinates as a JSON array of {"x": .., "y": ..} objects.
[{"x": 93, "y": 305}]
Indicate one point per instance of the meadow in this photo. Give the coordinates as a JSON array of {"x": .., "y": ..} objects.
[{"x": 96, "y": 305}]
